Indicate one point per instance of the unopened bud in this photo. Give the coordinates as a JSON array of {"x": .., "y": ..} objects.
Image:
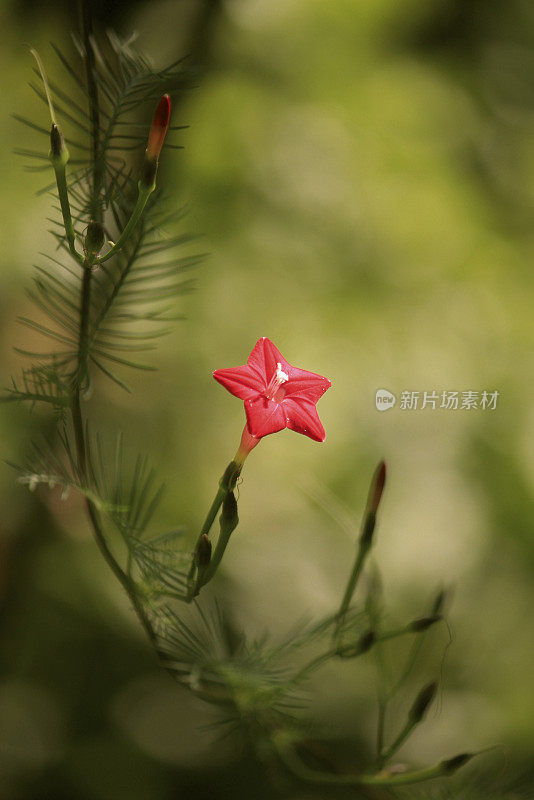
[
  {"x": 203, "y": 554},
  {"x": 377, "y": 487},
  {"x": 366, "y": 642},
  {"x": 423, "y": 623},
  {"x": 94, "y": 238},
  {"x": 156, "y": 137},
  {"x": 360, "y": 647},
  {"x": 229, "y": 518},
  {"x": 56, "y": 141},
  {"x": 452, "y": 764},
  {"x": 158, "y": 129},
  {"x": 422, "y": 702},
  {"x": 58, "y": 149}
]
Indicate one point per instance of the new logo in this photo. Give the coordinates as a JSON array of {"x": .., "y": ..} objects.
[{"x": 384, "y": 400}]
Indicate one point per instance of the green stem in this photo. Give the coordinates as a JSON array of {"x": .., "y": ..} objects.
[
  {"x": 381, "y": 675},
  {"x": 359, "y": 648},
  {"x": 396, "y": 634},
  {"x": 410, "y": 662},
  {"x": 397, "y": 744},
  {"x": 208, "y": 522},
  {"x": 412, "y": 658},
  {"x": 79, "y": 436},
  {"x": 301, "y": 770},
  {"x": 316, "y": 663},
  {"x": 212, "y": 513},
  {"x": 81, "y": 451},
  {"x": 83, "y": 341},
  {"x": 363, "y": 550},
  {"x": 142, "y": 199},
  {"x": 382, "y": 693},
  {"x": 226, "y": 485},
  {"x": 207, "y": 574},
  {"x": 61, "y": 182},
  {"x": 94, "y": 108},
  {"x": 96, "y": 524},
  {"x": 119, "y": 573},
  {"x": 381, "y": 725}
]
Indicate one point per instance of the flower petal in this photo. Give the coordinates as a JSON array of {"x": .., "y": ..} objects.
[
  {"x": 305, "y": 385},
  {"x": 264, "y": 358},
  {"x": 301, "y": 416},
  {"x": 242, "y": 381},
  {"x": 264, "y": 416}
]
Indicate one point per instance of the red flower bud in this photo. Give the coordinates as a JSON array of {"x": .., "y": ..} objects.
[{"x": 158, "y": 129}]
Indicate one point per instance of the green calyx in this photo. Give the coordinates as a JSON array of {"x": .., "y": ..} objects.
[
  {"x": 147, "y": 176},
  {"x": 58, "y": 153}
]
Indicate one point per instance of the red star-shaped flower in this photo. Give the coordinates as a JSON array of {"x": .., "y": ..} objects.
[{"x": 276, "y": 394}]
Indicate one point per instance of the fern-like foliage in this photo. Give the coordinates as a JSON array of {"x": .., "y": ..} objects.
[
  {"x": 40, "y": 383},
  {"x": 130, "y": 494},
  {"x": 102, "y": 316},
  {"x": 132, "y": 299},
  {"x": 133, "y": 294},
  {"x": 251, "y": 679},
  {"x": 106, "y": 87}
]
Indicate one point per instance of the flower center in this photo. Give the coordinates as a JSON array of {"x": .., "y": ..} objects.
[{"x": 276, "y": 382}]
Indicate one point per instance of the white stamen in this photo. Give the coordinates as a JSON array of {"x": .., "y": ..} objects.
[
  {"x": 276, "y": 381},
  {"x": 281, "y": 376}
]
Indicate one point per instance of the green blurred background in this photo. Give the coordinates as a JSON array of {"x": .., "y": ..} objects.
[{"x": 363, "y": 176}]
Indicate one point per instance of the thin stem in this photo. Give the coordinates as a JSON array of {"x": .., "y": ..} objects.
[
  {"x": 382, "y": 693},
  {"x": 381, "y": 675},
  {"x": 125, "y": 272},
  {"x": 61, "y": 182},
  {"x": 381, "y": 725},
  {"x": 142, "y": 199},
  {"x": 301, "y": 770},
  {"x": 397, "y": 744},
  {"x": 96, "y": 524},
  {"x": 397, "y": 633},
  {"x": 77, "y": 424},
  {"x": 366, "y": 541},
  {"x": 94, "y": 109},
  {"x": 94, "y": 517},
  {"x": 316, "y": 663},
  {"x": 359, "y": 648},
  {"x": 81, "y": 452},
  {"x": 208, "y": 522},
  {"x": 413, "y": 654},
  {"x": 226, "y": 485},
  {"x": 123, "y": 578},
  {"x": 207, "y": 574},
  {"x": 412, "y": 658},
  {"x": 363, "y": 550},
  {"x": 85, "y": 309}
]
